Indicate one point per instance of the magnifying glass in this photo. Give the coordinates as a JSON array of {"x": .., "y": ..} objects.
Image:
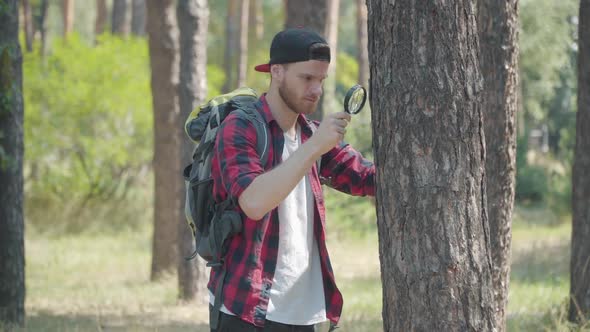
[{"x": 355, "y": 99}]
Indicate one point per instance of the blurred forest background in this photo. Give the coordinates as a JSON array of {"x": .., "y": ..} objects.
[{"x": 89, "y": 184}]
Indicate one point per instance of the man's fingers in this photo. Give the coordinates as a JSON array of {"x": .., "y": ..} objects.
[
  {"x": 341, "y": 123},
  {"x": 342, "y": 115}
]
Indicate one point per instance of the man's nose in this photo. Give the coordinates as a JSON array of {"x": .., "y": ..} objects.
[{"x": 316, "y": 89}]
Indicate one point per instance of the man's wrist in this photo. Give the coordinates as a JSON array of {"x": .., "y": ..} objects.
[{"x": 314, "y": 148}]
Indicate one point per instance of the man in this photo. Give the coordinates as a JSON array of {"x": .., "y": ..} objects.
[{"x": 277, "y": 274}]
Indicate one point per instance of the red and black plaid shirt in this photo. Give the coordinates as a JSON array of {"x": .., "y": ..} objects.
[{"x": 251, "y": 258}]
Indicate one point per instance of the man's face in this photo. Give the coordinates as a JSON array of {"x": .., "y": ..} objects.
[{"x": 300, "y": 84}]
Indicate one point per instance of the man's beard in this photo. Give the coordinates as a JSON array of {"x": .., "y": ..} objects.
[{"x": 298, "y": 106}]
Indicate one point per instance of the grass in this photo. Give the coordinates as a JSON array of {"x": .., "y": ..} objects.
[
  {"x": 100, "y": 282},
  {"x": 93, "y": 282}
]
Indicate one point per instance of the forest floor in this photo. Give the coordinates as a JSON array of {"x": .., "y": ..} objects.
[{"x": 100, "y": 282}]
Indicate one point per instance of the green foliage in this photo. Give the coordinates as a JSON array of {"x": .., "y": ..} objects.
[
  {"x": 546, "y": 179},
  {"x": 548, "y": 51},
  {"x": 215, "y": 79},
  {"x": 88, "y": 124},
  {"x": 531, "y": 184},
  {"x": 349, "y": 215},
  {"x": 4, "y": 7},
  {"x": 346, "y": 73}
]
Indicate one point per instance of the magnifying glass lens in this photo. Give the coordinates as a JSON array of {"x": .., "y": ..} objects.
[{"x": 355, "y": 99}]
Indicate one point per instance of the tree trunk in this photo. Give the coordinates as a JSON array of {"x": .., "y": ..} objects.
[
  {"x": 68, "y": 16},
  {"x": 313, "y": 14},
  {"x": 43, "y": 26},
  {"x": 28, "y": 25},
  {"x": 231, "y": 44},
  {"x": 362, "y": 39},
  {"x": 498, "y": 36},
  {"x": 12, "y": 250},
  {"x": 138, "y": 18},
  {"x": 580, "y": 262},
  {"x": 193, "y": 20},
  {"x": 436, "y": 265},
  {"x": 101, "y": 17},
  {"x": 163, "y": 48},
  {"x": 243, "y": 49},
  {"x": 257, "y": 19},
  {"x": 328, "y": 98},
  {"x": 310, "y": 14},
  {"x": 121, "y": 20}
]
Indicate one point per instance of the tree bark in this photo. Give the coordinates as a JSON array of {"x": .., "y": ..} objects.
[
  {"x": 231, "y": 44},
  {"x": 68, "y": 16},
  {"x": 498, "y": 36},
  {"x": 579, "y": 310},
  {"x": 164, "y": 62},
  {"x": 138, "y": 18},
  {"x": 28, "y": 25},
  {"x": 434, "y": 244},
  {"x": 362, "y": 39},
  {"x": 101, "y": 17},
  {"x": 121, "y": 21},
  {"x": 12, "y": 250},
  {"x": 193, "y": 20},
  {"x": 243, "y": 49}
]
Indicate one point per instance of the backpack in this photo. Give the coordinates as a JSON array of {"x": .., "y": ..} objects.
[{"x": 212, "y": 223}]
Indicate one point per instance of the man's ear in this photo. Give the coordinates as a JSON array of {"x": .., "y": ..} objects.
[{"x": 277, "y": 72}]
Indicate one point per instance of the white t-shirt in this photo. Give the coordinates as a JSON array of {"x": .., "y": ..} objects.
[{"x": 297, "y": 294}]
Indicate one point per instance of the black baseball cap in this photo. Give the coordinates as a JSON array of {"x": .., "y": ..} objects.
[{"x": 294, "y": 45}]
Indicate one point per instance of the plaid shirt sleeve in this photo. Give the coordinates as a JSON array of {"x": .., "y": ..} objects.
[
  {"x": 239, "y": 163},
  {"x": 347, "y": 171}
]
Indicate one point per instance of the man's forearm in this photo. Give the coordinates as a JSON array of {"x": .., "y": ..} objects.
[{"x": 271, "y": 188}]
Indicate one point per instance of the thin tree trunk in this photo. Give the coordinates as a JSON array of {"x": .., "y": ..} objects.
[
  {"x": 68, "y": 16},
  {"x": 257, "y": 19},
  {"x": 362, "y": 39},
  {"x": 436, "y": 265},
  {"x": 101, "y": 17},
  {"x": 138, "y": 18},
  {"x": 328, "y": 99},
  {"x": 164, "y": 63},
  {"x": 579, "y": 310},
  {"x": 12, "y": 250},
  {"x": 193, "y": 20},
  {"x": 498, "y": 36},
  {"x": 121, "y": 20},
  {"x": 43, "y": 27},
  {"x": 28, "y": 25},
  {"x": 243, "y": 49},
  {"x": 231, "y": 44}
]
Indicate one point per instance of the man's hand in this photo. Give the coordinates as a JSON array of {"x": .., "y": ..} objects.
[{"x": 331, "y": 131}]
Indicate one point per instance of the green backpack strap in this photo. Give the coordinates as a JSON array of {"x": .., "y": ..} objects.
[{"x": 245, "y": 108}]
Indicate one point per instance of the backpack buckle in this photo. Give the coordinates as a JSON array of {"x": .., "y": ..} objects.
[{"x": 215, "y": 264}]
